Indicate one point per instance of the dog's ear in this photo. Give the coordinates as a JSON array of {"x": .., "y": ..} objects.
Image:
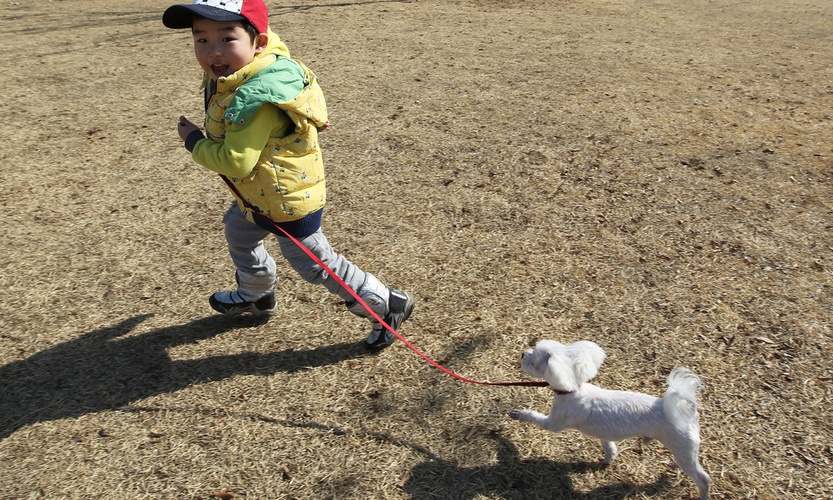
[
  {"x": 587, "y": 359},
  {"x": 559, "y": 373}
]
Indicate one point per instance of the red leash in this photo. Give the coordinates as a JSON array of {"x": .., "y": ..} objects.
[{"x": 345, "y": 286}]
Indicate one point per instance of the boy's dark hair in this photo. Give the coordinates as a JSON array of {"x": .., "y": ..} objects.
[
  {"x": 251, "y": 30},
  {"x": 246, "y": 25}
]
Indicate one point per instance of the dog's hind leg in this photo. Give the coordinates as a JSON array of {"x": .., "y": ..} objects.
[
  {"x": 610, "y": 450},
  {"x": 685, "y": 453}
]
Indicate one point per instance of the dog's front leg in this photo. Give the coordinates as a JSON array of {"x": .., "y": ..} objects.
[
  {"x": 610, "y": 450},
  {"x": 539, "y": 419}
]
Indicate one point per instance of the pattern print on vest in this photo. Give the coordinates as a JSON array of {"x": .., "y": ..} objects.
[{"x": 288, "y": 181}]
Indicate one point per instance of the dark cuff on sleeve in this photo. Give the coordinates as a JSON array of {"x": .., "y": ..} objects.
[{"x": 192, "y": 139}]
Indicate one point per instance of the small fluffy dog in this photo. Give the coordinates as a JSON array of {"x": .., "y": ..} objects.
[{"x": 615, "y": 415}]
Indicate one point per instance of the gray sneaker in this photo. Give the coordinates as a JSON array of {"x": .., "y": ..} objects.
[
  {"x": 231, "y": 303},
  {"x": 400, "y": 305}
]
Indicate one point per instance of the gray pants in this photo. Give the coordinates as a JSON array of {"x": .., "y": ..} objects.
[{"x": 256, "y": 273}]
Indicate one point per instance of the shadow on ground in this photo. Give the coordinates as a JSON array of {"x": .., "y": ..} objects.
[
  {"x": 514, "y": 479},
  {"x": 101, "y": 371}
]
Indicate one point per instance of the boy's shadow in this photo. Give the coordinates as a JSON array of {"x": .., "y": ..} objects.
[
  {"x": 100, "y": 371},
  {"x": 513, "y": 478}
]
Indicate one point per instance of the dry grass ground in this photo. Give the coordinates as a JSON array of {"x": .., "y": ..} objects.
[{"x": 652, "y": 175}]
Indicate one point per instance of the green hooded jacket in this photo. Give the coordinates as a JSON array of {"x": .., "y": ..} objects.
[{"x": 262, "y": 134}]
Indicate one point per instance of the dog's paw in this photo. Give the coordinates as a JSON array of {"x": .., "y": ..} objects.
[
  {"x": 610, "y": 451},
  {"x": 516, "y": 414}
]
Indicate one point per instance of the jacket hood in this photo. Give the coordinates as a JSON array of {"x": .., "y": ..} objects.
[
  {"x": 281, "y": 81},
  {"x": 274, "y": 46}
]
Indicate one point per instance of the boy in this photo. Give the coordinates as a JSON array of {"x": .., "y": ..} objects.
[{"x": 263, "y": 114}]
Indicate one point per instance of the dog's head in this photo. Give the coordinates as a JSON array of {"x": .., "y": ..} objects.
[{"x": 564, "y": 367}]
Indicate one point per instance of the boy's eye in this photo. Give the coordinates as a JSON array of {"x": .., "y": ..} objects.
[
  {"x": 201, "y": 40},
  {"x": 229, "y": 39}
]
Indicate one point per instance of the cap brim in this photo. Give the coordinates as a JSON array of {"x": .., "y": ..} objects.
[{"x": 182, "y": 16}]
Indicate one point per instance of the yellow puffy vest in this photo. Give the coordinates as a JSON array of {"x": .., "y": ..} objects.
[{"x": 287, "y": 182}]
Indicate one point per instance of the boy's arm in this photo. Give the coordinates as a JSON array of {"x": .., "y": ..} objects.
[{"x": 237, "y": 155}]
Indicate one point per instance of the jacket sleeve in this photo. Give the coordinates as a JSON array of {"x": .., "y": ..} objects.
[{"x": 240, "y": 150}]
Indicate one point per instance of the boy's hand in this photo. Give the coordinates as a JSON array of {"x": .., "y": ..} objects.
[{"x": 185, "y": 127}]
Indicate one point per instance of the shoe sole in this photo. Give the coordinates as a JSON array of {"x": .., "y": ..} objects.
[{"x": 238, "y": 311}]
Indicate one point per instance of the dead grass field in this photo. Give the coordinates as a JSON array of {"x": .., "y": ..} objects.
[{"x": 655, "y": 175}]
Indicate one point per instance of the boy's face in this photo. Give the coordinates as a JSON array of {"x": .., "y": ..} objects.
[{"x": 224, "y": 47}]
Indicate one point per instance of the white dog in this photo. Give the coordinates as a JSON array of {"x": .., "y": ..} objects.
[{"x": 615, "y": 415}]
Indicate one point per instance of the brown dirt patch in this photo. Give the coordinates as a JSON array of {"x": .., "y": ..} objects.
[{"x": 654, "y": 176}]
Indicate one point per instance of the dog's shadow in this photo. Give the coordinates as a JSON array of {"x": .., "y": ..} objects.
[
  {"x": 513, "y": 478},
  {"x": 101, "y": 371}
]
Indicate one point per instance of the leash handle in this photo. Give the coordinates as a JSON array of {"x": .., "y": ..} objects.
[{"x": 332, "y": 274}]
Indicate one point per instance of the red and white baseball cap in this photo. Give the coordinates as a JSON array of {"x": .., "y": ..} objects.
[{"x": 253, "y": 11}]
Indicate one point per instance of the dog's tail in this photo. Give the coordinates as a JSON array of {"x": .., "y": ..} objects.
[{"x": 680, "y": 401}]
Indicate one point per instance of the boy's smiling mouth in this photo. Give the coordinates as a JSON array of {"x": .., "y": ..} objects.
[{"x": 221, "y": 70}]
